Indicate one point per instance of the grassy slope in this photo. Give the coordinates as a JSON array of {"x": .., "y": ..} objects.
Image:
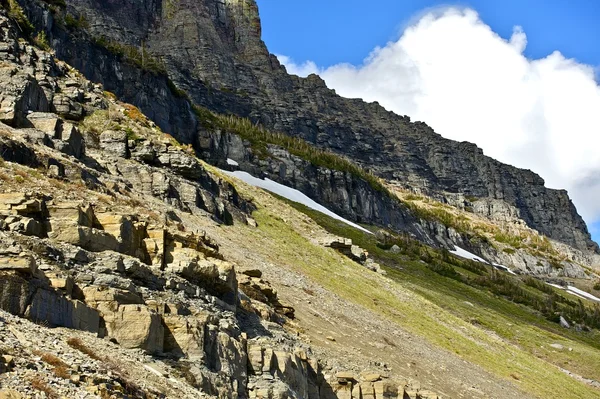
[{"x": 436, "y": 308}]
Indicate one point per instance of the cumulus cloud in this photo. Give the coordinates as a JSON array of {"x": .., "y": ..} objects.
[{"x": 452, "y": 71}]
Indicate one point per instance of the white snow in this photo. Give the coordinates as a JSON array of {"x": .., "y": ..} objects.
[
  {"x": 577, "y": 292},
  {"x": 289, "y": 193},
  {"x": 232, "y": 162},
  {"x": 463, "y": 253},
  {"x": 556, "y": 286},
  {"x": 582, "y": 293},
  {"x": 504, "y": 268}
]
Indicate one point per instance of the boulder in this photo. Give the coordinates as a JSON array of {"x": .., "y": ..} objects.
[
  {"x": 135, "y": 326},
  {"x": 23, "y": 263},
  {"x": 46, "y": 122},
  {"x": 72, "y": 141},
  {"x": 115, "y": 142},
  {"x": 184, "y": 335},
  {"x": 14, "y": 293},
  {"x": 217, "y": 276},
  {"x": 53, "y": 308},
  {"x": 67, "y": 108}
]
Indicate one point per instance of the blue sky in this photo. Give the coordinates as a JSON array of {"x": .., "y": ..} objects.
[{"x": 333, "y": 32}]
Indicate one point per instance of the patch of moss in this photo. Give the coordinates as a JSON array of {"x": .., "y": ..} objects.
[{"x": 137, "y": 56}]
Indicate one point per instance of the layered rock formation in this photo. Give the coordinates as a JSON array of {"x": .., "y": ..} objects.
[
  {"x": 99, "y": 233},
  {"x": 212, "y": 51}
]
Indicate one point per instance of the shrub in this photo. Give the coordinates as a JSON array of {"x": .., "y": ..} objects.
[
  {"x": 39, "y": 384},
  {"x": 78, "y": 344},
  {"x": 41, "y": 40},
  {"x": 132, "y": 54},
  {"x": 76, "y": 23},
  {"x": 16, "y": 13},
  {"x": 61, "y": 369}
]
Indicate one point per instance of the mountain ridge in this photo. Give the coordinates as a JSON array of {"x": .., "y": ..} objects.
[{"x": 213, "y": 51}]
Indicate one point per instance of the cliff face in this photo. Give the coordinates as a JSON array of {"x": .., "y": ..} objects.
[{"x": 212, "y": 50}]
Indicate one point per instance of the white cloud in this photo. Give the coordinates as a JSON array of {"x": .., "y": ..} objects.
[
  {"x": 452, "y": 71},
  {"x": 303, "y": 70}
]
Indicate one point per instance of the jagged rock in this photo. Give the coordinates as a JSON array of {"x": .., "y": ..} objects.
[
  {"x": 184, "y": 335},
  {"x": 135, "y": 326},
  {"x": 56, "y": 310},
  {"x": 23, "y": 263},
  {"x": 47, "y": 122},
  {"x": 215, "y": 275},
  {"x": 253, "y": 273},
  {"x": 115, "y": 143},
  {"x": 67, "y": 108}
]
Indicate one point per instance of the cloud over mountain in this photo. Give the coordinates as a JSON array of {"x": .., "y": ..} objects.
[{"x": 452, "y": 71}]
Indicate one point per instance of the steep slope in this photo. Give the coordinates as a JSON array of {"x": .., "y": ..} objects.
[
  {"x": 151, "y": 274},
  {"x": 212, "y": 51}
]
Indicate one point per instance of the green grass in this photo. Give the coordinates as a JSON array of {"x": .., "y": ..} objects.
[
  {"x": 260, "y": 137},
  {"x": 16, "y": 13},
  {"x": 446, "y": 312},
  {"x": 137, "y": 56}
]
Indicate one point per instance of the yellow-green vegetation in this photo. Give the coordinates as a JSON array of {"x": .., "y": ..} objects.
[
  {"x": 481, "y": 229},
  {"x": 72, "y": 22},
  {"x": 16, "y": 13},
  {"x": 41, "y": 40},
  {"x": 137, "y": 56},
  {"x": 260, "y": 137},
  {"x": 446, "y": 312}
]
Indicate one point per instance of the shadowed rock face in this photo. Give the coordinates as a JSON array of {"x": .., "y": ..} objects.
[{"x": 212, "y": 49}]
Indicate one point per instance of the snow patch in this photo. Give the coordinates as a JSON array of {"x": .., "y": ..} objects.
[
  {"x": 503, "y": 268},
  {"x": 582, "y": 293},
  {"x": 289, "y": 193},
  {"x": 463, "y": 253},
  {"x": 577, "y": 292},
  {"x": 556, "y": 286},
  {"x": 232, "y": 162}
]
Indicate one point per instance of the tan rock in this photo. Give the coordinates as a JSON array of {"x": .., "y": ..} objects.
[
  {"x": 370, "y": 377},
  {"x": 10, "y": 394},
  {"x": 184, "y": 335},
  {"x": 343, "y": 391},
  {"x": 135, "y": 326},
  {"x": 268, "y": 360},
  {"x": 255, "y": 356},
  {"x": 426, "y": 395},
  {"x": 63, "y": 283},
  {"x": 367, "y": 390},
  {"x": 95, "y": 295},
  {"x": 47, "y": 122},
  {"x": 22, "y": 263},
  {"x": 345, "y": 375},
  {"x": 82, "y": 214},
  {"x": 385, "y": 389}
]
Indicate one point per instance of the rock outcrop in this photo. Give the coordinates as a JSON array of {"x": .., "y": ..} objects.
[
  {"x": 212, "y": 50},
  {"x": 100, "y": 234}
]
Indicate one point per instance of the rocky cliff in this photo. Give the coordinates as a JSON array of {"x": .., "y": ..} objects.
[
  {"x": 101, "y": 235},
  {"x": 129, "y": 268},
  {"x": 212, "y": 51}
]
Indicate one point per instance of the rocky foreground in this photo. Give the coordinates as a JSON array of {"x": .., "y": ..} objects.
[{"x": 100, "y": 248}]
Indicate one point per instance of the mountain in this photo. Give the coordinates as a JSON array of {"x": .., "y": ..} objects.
[{"x": 132, "y": 267}]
